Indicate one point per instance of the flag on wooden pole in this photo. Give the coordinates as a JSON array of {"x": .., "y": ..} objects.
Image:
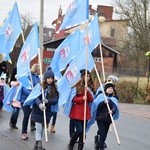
[
  {"x": 28, "y": 52},
  {"x": 77, "y": 13},
  {"x": 11, "y": 28}
]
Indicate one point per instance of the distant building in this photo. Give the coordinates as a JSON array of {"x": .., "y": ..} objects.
[{"x": 113, "y": 33}]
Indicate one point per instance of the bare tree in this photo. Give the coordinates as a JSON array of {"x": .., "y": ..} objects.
[
  {"x": 137, "y": 11},
  {"x": 139, "y": 29},
  {"x": 27, "y": 23}
]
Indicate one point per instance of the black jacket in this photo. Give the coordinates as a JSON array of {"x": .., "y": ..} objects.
[{"x": 102, "y": 111}]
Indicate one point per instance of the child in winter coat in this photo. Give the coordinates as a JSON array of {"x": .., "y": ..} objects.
[
  {"x": 4, "y": 70},
  {"x": 77, "y": 112},
  {"x": 51, "y": 98},
  {"x": 16, "y": 107},
  {"x": 4, "y": 88},
  {"x": 11, "y": 100},
  {"x": 113, "y": 79},
  {"x": 103, "y": 115},
  {"x": 92, "y": 90},
  {"x": 23, "y": 94}
]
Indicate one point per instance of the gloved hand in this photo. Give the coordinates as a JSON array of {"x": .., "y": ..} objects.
[
  {"x": 8, "y": 103},
  {"x": 42, "y": 106},
  {"x": 45, "y": 100},
  {"x": 106, "y": 101}
]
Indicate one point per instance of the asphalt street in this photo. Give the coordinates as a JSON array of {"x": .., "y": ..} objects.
[{"x": 133, "y": 129}]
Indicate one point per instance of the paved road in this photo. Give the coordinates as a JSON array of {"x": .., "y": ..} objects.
[
  {"x": 136, "y": 110},
  {"x": 133, "y": 128}
]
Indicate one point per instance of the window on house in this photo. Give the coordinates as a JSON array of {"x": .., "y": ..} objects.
[
  {"x": 96, "y": 59},
  {"x": 112, "y": 32}
]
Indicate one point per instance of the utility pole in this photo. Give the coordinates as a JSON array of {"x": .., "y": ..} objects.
[
  {"x": 41, "y": 30},
  {"x": 41, "y": 61}
]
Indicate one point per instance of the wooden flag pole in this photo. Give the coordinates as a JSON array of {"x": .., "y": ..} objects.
[
  {"x": 43, "y": 97},
  {"x": 22, "y": 37},
  {"x": 85, "y": 101},
  {"x": 94, "y": 7},
  {"x": 116, "y": 133},
  {"x": 102, "y": 61}
]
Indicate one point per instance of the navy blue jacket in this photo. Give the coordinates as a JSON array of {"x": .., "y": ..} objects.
[
  {"x": 102, "y": 111},
  {"x": 37, "y": 113}
]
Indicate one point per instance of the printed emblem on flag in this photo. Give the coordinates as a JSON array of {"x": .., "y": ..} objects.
[
  {"x": 9, "y": 32},
  {"x": 64, "y": 52},
  {"x": 88, "y": 38},
  {"x": 25, "y": 54},
  {"x": 72, "y": 9},
  {"x": 71, "y": 74}
]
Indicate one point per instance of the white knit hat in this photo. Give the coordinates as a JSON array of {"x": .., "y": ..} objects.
[{"x": 113, "y": 78}]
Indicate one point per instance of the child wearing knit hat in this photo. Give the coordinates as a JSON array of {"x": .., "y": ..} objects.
[
  {"x": 48, "y": 73},
  {"x": 102, "y": 117},
  {"x": 51, "y": 96},
  {"x": 109, "y": 84},
  {"x": 113, "y": 78},
  {"x": 4, "y": 88}
]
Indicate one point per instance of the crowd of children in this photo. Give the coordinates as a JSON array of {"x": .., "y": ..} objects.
[{"x": 100, "y": 105}]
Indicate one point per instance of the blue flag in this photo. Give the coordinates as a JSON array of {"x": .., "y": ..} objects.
[
  {"x": 65, "y": 53},
  {"x": 63, "y": 92},
  {"x": 1, "y": 41},
  {"x": 24, "y": 80},
  {"x": 1, "y": 30},
  {"x": 8, "y": 99},
  {"x": 92, "y": 39},
  {"x": 36, "y": 91},
  {"x": 77, "y": 13},
  {"x": 11, "y": 28},
  {"x": 68, "y": 104},
  {"x": 79, "y": 62},
  {"x": 28, "y": 52},
  {"x": 72, "y": 75}
]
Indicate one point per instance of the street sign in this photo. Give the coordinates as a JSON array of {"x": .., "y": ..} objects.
[{"x": 47, "y": 60}]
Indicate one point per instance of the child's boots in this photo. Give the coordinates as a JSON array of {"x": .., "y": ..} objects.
[
  {"x": 38, "y": 146},
  {"x": 53, "y": 129}
]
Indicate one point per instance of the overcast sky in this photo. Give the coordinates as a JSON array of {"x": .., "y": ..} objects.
[{"x": 33, "y": 8}]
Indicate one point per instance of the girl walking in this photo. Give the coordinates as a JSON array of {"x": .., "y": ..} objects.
[
  {"x": 77, "y": 111},
  {"x": 51, "y": 98}
]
